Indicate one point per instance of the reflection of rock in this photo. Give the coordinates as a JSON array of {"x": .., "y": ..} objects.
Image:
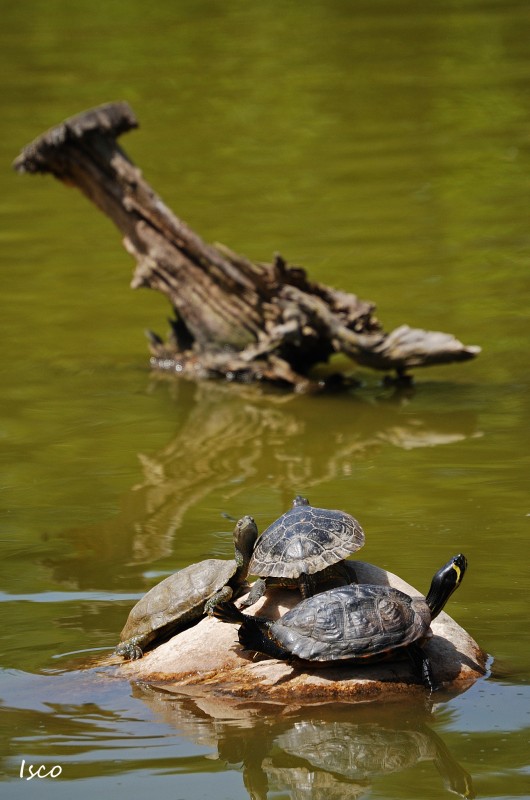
[
  {"x": 306, "y": 784},
  {"x": 324, "y": 751},
  {"x": 209, "y": 658}
]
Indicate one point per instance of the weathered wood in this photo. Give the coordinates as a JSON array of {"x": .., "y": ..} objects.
[{"x": 233, "y": 317}]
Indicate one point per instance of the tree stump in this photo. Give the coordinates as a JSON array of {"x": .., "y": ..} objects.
[{"x": 233, "y": 318}]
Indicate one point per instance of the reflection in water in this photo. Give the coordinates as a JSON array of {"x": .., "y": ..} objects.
[
  {"x": 363, "y": 752},
  {"x": 228, "y": 437},
  {"x": 95, "y": 727},
  {"x": 231, "y": 436},
  {"x": 337, "y": 749}
]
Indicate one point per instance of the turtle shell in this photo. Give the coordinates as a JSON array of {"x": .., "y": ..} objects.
[
  {"x": 178, "y": 598},
  {"x": 354, "y": 622},
  {"x": 306, "y": 540}
]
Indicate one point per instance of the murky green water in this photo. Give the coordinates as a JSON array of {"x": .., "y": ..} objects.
[{"x": 386, "y": 147}]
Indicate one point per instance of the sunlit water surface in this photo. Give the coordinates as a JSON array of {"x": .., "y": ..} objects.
[{"x": 385, "y": 146}]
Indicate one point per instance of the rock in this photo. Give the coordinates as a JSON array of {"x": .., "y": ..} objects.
[{"x": 208, "y": 658}]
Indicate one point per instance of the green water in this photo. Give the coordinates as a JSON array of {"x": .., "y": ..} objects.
[{"x": 385, "y": 146}]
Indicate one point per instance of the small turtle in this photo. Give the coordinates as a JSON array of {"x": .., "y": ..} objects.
[
  {"x": 183, "y": 598},
  {"x": 352, "y": 624},
  {"x": 302, "y": 548}
]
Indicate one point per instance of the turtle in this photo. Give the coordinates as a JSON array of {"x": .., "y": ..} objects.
[
  {"x": 353, "y": 624},
  {"x": 304, "y": 547},
  {"x": 181, "y": 599}
]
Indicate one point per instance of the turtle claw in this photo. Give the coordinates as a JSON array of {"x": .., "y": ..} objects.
[{"x": 129, "y": 651}]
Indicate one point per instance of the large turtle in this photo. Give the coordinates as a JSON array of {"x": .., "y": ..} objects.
[
  {"x": 304, "y": 547},
  {"x": 352, "y": 624},
  {"x": 183, "y": 598}
]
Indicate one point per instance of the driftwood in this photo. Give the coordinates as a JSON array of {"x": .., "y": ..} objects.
[{"x": 233, "y": 317}]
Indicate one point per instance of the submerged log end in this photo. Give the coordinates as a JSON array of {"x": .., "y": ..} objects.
[
  {"x": 414, "y": 347},
  {"x": 111, "y": 119},
  {"x": 406, "y": 348}
]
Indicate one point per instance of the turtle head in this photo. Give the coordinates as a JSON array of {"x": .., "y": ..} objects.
[
  {"x": 300, "y": 501},
  {"x": 446, "y": 580},
  {"x": 245, "y": 535}
]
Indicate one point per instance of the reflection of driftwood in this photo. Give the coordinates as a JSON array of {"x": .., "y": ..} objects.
[
  {"x": 227, "y": 439},
  {"x": 233, "y": 318}
]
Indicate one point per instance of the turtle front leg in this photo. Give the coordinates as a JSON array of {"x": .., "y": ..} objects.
[
  {"x": 130, "y": 649},
  {"x": 257, "y": 590},
  {"x": 422, "y": 666},
  {"x": 307, "y": 585},
  {"x": 221, "y": 596}
]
